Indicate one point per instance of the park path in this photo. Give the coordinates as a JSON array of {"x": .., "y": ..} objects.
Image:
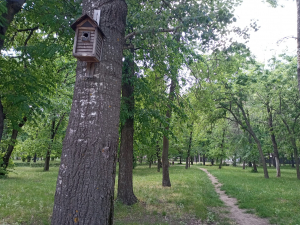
[{"x": 236, "y": 214}]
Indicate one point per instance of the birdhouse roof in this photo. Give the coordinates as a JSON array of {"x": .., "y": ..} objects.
[{"x": 93, "y": 23}]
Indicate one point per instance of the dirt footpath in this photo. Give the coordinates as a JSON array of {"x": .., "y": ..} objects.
[{"x": 236, "y": 214}]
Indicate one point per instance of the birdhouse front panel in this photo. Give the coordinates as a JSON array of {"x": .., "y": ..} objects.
[{"x": 88, "y": 40}]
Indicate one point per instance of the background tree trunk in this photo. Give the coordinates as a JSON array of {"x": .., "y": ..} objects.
[
  {"x": 47, "y": 158},
  {"x": 85, "y": 185},
  {"x": 158, "y": 157},
  {"x": 12, "y": 145},
  {"x": 125, "y": 185},
  {"x": 274, "y": 143},
  {"x": 165, "y": 154},
  {"x": 254, "y": 166},
  {"x": 244, "y": 164}
]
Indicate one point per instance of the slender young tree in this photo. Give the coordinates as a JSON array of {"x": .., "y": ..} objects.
[{"x": 85, "y": 185}]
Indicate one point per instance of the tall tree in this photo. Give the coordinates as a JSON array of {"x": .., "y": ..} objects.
[
  {"x": 125, "y": 186},
  {"x": 85, "y": 185}
]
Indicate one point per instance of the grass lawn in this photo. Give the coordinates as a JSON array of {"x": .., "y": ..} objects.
[
  {"x": 275, "y": 198},
  {"x": 26, "y": 197}
]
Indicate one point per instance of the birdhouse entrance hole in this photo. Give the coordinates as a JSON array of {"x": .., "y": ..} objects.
[{"x": 86, "y": 36}]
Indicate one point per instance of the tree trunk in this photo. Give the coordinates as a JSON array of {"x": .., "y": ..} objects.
[
  {"x": 203, "y": 159},
  {"x": 250, "y": 164},
  {"x": 274, "y": 143},
  {"x": 244, "y": 164},
  {"x": 85, "y": 185},
  {"x": 254, "y": 166},
  {"x": 292, "y": 159},
  {"x": 12, "y": 145},
  {"x": 125, "y": 185},
  {"x": 261, "y": 155},
  {"x": 187, "y": 165},
  {"x": 212, "y": 162},
  {"x": 158, "y": 157},
  {"x": 165, "y": 154},
  {"x": 220, "y": 165},
  {"x": 296, "y": 157},
  {"x": 192, "y": 161},
  {"x": 47, "y": 159},
  {"x": 180, "y": 160}
]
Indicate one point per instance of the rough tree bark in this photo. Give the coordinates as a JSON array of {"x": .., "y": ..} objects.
[
  {"x": 165, "y": 154},
  {"x": 125, "y": 186},
  {"x": 12, "y": 145},
  {"x": 85, "y": 185},
  {"x": 275, "y": 148}
]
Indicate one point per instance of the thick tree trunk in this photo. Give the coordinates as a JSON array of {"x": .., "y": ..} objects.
[
  {"x": 180, "y": 160},
  {"x": 12, "y": 145},
  {"x": 244, "y": 164},
  {"x": 274, "y": 143},
  {"x": 203, "y": 159},
  {"x": 165, "y": 154},
  {"x": 125, "y": 185},
  {"x": 85, "y": 185}
]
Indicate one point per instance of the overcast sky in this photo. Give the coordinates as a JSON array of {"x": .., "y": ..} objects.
[{"x": 275, "y": 24}]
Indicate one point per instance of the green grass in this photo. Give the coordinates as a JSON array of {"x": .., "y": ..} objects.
[
  {"x": 275, "y": 198},
  {"x": 26, "y": 197}
]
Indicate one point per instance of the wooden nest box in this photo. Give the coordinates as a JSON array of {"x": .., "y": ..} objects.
[{"x": 88, "y": 41}]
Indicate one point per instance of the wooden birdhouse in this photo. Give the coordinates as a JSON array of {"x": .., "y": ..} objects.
[{"x": 88, "y": 41}]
